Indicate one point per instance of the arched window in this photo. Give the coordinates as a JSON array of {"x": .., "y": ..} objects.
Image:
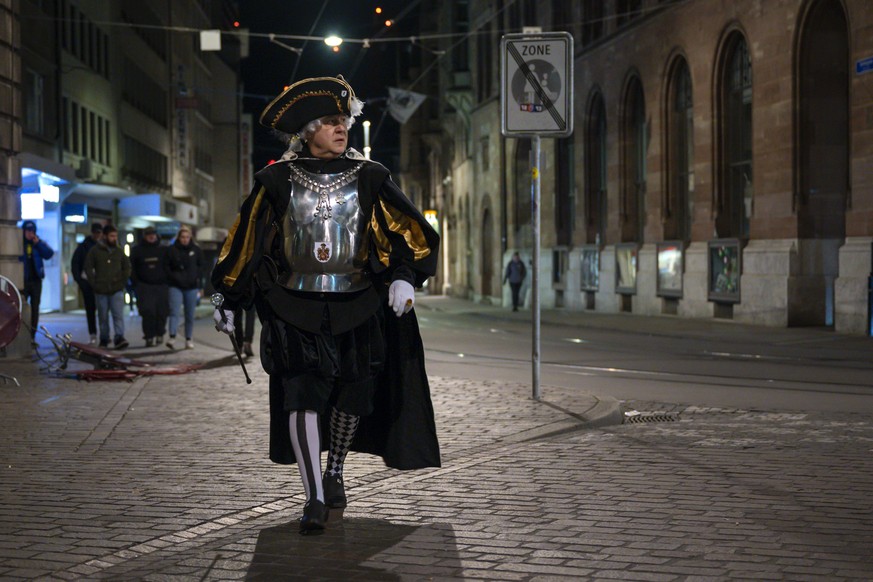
[
  {"x": 595, "y": 172},
  {"x": 735, "y": 209},
  {"x": 633, "y": 199},
  {"x": 680, "y": 155}
]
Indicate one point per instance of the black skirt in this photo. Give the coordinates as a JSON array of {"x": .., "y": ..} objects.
[{"x": 314, "y": 371}]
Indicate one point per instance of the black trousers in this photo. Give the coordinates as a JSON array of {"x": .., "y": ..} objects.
[
  {"x": 515, "y": 288},
  {"x": 90, "y": 306},
  {"x": 244, "y": 332},
  {"x": 153, "y": 302},
  {"x": 32, "y": 292}
]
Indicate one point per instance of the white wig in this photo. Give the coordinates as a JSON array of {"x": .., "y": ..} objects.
[{"x": 295, "y": 141}]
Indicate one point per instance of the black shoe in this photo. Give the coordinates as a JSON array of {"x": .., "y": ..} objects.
[
  {"x": 247, "y": 349},
  {"x": 104, "y": 343},
  {"x": 314, "y": 518},
  {"x": 334, "y": 491},
  {"x": 149, "y": 342},
  {"x": 121, "y": 343}
]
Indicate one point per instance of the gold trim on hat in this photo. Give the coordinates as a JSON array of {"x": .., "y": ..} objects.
[{"x": 339, "y": 80}]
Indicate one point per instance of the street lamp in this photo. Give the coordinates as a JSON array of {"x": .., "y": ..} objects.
[
  {"x": 333, "y": 41},
  {"x": 367, "y": 139}
]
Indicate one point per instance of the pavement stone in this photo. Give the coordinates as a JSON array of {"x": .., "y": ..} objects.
[{"x": 166, "y": 478}]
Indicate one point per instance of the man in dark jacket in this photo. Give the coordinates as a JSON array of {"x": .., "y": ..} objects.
[
  {"x": 183, "y": 262},
  {"x": 35, "y": 252},
  {"x": 515, "y": 274},
  {"x": 107, "y": 268},
  {"x": 150, "y": 279},
  {"x": 78, "y": 268}
]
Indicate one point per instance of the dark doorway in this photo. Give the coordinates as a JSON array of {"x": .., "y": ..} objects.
[
  {"x": 824, "y": 122},
  {"x": 822, "y": 159},
  {"x": 487, "y": 253}
]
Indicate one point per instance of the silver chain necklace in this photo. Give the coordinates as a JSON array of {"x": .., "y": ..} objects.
[{"x": 309, "y": 180}]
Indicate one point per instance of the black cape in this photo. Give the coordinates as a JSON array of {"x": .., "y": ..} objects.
[{"x": 403, "y": 246}]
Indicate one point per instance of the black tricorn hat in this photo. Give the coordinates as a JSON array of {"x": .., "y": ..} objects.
[{"x": 307, "y": 100}]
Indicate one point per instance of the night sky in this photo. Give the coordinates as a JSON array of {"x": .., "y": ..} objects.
[{"x": 370, "y": 71}]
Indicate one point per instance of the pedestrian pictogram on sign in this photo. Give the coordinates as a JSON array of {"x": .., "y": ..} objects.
[{"x": 536, "y": 95}]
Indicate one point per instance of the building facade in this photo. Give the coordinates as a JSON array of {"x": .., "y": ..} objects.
[
  {"x": 119, "y": 116},
  {"x": 721, "y": 164}
]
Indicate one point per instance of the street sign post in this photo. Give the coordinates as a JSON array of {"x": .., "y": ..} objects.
[{"x": 536, "y": 100}]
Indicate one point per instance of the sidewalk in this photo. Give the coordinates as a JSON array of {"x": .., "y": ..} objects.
[
  {"x": 811, "y": 341},
  {"x": 166, "y": 478}
]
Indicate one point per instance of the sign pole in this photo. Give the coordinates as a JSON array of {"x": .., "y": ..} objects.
[
  {"x": 536, "y": 101},
  {"x": 535, "y": 276}
]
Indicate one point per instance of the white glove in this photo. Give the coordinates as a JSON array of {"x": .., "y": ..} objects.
[
  {"x": 401, "y": 297},
  {"x": 223, "y": 326}
]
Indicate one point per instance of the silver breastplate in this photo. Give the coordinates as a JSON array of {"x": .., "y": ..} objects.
[{"x": 324, "y": 231}]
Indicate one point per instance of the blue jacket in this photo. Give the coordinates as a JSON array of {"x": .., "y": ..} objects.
[{"x": 41, "y": 252}]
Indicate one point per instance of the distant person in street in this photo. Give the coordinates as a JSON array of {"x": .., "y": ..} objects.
[
  {"x": 183, "y": 261},
  {"x": 36, "y": 251},
  {"x": 152, "y": 293},
  {"x": 515, "y": 274},
  {"x": 108, "y": 268},
  {"x": 244, "y": 330},
  {"x": 78, "y": 268},
  {"x": 330, "y": 251}
]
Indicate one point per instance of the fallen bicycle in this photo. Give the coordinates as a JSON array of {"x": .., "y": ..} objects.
[{"x": 108, "y": 365}]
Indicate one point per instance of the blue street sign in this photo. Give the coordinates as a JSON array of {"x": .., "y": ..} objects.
[{"x": 864, "y": 66}]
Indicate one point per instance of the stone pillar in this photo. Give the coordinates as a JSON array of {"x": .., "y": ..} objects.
[{"x": 10, "y": 145}]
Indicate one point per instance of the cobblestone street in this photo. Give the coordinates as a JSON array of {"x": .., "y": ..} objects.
[{"x": 166, "y": 478}]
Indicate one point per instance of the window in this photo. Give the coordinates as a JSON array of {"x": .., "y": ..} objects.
[
  {"x": 595, "y": 174},
  {"x": 486, "y": 152},
  {"x": 735, "y": 206},
  {"x": 34, "y": 101},
  {"x": 680, "y": 156},
  {"x": 562, "y": 16},
  {"x": 74, "y": 130},
  {"x": 592, "y": 21},
  {"x": 627, "y": 10},
  {"x": 461, "y": 53},
  {"x": 634, "y": 142},
  {"x": 151, "y": 30},
  {"x": 144, "y": 94},
  {"x": 485, "y": 70},
  {"x": 86, "y": 132},
  {"x": 83, "y": 39},
  {"x": 144, "y": 164}
]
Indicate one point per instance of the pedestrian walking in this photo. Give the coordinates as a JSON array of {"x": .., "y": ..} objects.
[
  {"x": 515, "y": 274},
  {"x": 244, "y": 329},
  {"x": 329, "y": 250},
  {"x": 36, "y": 251},
  {"x": 78, "y": 268},
  {"x": 108, "y": 268},
  {"x": 150, "y": 279},
  {"x": 183, "y": 262}
]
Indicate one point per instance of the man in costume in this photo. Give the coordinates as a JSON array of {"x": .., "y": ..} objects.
[{"x": 329, "y": 250}]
